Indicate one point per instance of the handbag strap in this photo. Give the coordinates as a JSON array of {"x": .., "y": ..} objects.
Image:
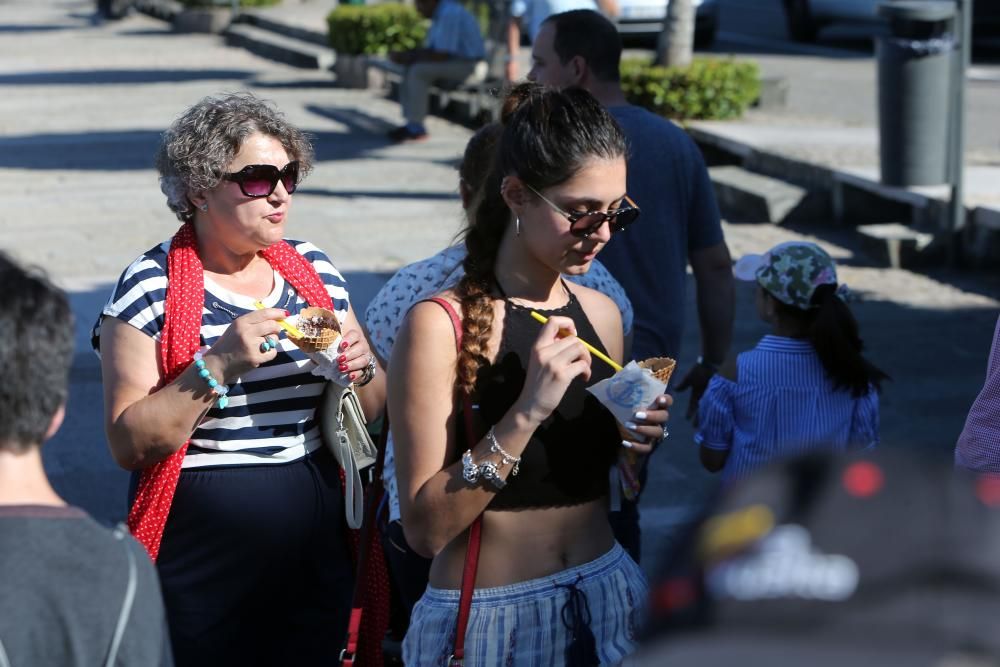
[
  {"x": 348, "y": 654},
  {"x": 475, "y": 531}
]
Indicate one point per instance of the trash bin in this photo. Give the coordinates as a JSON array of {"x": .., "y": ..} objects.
[{"x": 915, "y": 64}]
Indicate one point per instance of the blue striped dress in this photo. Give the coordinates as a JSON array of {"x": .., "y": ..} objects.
[
  {"x": 782, "y": 404},
  {"x": 271, "y": 416}
]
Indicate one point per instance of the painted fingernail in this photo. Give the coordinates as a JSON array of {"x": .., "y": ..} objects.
[
  {"x": 639, "y": 415},
  {"x": 626, "y": 444},
  {"x": 630, "y": 426},
  {"x": 342, "y": 358},
  {"x": 353, "y": 375},
  {"x": 343, "y": 368},
  {"x": 662, "y": 400},
  {"x": 343, "y": 346}
]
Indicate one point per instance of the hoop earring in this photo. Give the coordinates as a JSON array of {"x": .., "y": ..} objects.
[{"x": 517, "y": 226}]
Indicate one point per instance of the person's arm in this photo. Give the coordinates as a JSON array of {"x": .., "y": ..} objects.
[
  {"x": 436, "y": 502},
  {"x": 713, "y": 275},
  {"x": 513, "y": 47},
  {"x": 713, "y": 460},
  {"x": 715, "y": 432},
  {"x": 355, "y": 358},
  {"x": 608, "y": 7},
  {"x": 145, "y": 425}
]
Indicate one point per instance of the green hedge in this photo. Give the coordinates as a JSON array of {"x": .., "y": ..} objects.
[
  {"x": 375, "y": 29},
  {"x": 707, "y": 90}
]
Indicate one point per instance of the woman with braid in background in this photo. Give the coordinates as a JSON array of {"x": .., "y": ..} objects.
[{"x": 538, "y": 466}]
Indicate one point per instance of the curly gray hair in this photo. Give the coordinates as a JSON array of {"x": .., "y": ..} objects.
[{"x": 197, "y": 149}]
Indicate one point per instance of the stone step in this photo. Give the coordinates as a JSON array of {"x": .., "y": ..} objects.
[
  {"x": 297, "y": 32},
  {"x": 746, "y": 196},
  {"x": 281, "y": 48},
  {"x": 897, "y": 245}
]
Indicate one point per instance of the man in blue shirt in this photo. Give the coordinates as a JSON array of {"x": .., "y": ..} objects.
[
  {"x": 527, "y": 16},
  {"x": 680, "y": 223},
  {"x": 451, "y": 52}
]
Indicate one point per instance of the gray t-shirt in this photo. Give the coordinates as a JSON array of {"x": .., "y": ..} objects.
[
  {"x": 63, "y": 580},
  {"x": 667, "y": 178}
]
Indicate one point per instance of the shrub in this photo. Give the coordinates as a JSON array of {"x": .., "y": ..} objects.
[
  {"x": 707, "y": 90},
  {"x": 375, "y": 29}
]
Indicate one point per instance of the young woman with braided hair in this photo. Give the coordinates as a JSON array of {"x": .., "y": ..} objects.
[
  {"x": 215, "y": 410},
  {"x": 552, "y": 586}
]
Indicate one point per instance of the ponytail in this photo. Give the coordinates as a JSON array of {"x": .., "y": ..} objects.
[{"x": 833, "y": 332}]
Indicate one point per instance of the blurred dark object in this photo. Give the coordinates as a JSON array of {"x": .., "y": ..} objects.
[
  {"x": 113, "y": 9},
  {"x": 879, "y": 561}
]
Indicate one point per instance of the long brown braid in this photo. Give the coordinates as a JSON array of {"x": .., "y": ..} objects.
[{"x": 548, "y": 135}]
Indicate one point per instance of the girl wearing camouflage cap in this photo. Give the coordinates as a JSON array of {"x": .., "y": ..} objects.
[{"x": 806, "y": 385}]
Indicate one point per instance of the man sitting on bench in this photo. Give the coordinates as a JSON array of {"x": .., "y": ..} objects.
[{"x": 450, "y": 53}]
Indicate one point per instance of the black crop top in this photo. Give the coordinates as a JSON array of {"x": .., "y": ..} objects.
[{"x": 569, "y": 456}]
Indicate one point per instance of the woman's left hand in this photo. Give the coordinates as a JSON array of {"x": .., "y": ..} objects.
[
  {"x": 649, "y": 424},
  {"x": 353, "y": 354}
]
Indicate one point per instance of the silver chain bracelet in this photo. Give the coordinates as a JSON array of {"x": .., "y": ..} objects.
[{"x": 506, "y": 458}]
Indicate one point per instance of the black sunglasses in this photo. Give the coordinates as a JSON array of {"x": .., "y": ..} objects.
[
  {"x": 260, "y": 180},
  {"x": 585, "y": 223}
]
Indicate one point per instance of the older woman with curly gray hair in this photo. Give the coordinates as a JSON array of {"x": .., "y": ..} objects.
[{"x": 215, "y": 409}]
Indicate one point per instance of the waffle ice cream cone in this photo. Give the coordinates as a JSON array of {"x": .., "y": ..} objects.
[
  {"x": 320, "y": 330},
  {"x": 661, "y": 367}
]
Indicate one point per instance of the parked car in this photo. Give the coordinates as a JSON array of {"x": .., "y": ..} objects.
[
  {"x": 806, "y": 17},
  {"x": 645, "y": 18}
]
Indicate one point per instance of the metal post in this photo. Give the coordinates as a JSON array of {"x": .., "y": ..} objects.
[{"x": 956, "y": 208}]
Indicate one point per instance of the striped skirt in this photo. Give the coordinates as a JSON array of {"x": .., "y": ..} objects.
[{"x": 531, "y": 623}]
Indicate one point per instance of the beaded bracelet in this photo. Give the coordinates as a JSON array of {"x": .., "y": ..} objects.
[
  {"x": 217, "y": 388},
  {"x": 473, "y": 472}
]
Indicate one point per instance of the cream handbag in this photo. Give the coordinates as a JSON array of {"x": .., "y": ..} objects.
[{"x": 343, "y": 425}]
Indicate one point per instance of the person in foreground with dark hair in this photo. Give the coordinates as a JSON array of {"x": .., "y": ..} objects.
[
  {"x": 74, "y": 593},
  {"x": 552, "y": 585},
  {"x": 804, "y": 387}
]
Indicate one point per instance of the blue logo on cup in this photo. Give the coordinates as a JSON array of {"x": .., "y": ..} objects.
[{"x": 625, "y": 392}]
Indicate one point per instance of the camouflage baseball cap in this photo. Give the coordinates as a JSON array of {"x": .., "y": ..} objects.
[{"x": 790, "y": 272}]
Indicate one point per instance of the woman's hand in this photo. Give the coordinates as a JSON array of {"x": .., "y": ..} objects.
[
  {"x": 649, "y": 424},
  {"x": 353, "y": 354},
  {"x": 239, "y": 350},
  {"x": 557, "y": 358}
]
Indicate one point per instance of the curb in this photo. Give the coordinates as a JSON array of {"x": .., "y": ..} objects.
[{"x": 919, "y": 218}]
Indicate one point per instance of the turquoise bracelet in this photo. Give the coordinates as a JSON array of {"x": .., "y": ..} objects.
[{"x": 217, "y": 388}]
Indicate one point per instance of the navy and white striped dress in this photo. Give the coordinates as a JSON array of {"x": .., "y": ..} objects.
[
  {"x": 271, "y": 416},
  {"x": 782, "y": 404}
]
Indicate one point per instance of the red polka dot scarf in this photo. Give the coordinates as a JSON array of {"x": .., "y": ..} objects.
[{"x": 180, "y": 339}]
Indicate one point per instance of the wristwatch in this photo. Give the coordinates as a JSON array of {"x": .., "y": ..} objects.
[{"x": 707, "y": 364}]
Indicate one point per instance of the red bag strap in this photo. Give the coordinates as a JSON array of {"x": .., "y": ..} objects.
[
  {"x": 349, "y": 652},
  {"x": 475, "y": 531}
]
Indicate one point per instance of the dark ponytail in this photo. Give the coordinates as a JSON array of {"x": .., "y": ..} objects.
[
  {"x": 548, "y": 136},
  {"x": 833, "y": 331}
]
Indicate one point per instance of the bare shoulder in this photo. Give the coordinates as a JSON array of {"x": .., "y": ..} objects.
[
  {"x": 605, "y": 317},
  {"x": 597, "y": 305}
]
